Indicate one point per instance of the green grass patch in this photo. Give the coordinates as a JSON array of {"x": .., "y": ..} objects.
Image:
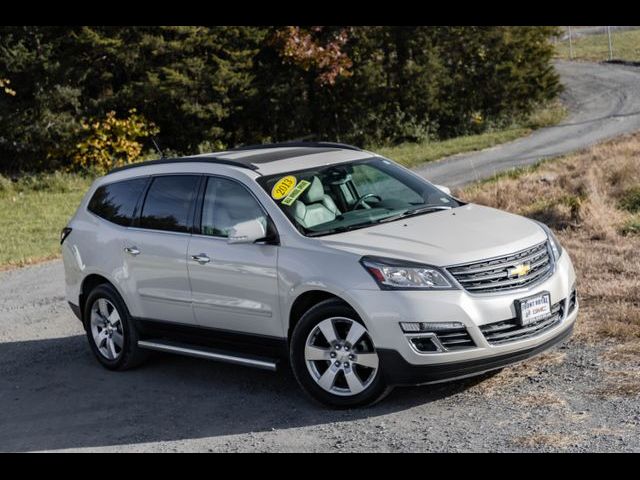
[
  {"x": 631, "y": 226},
  {"x": 33, "y": 210},
  {"x": 625, "y": 45},
  {"x": 631, "y": 200},
  {"x": 414, "y": 154}
]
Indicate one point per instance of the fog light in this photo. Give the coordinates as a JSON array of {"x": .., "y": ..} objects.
[
  {"x": 425, "y": 344},
  {"x": 415, "y": 327}
]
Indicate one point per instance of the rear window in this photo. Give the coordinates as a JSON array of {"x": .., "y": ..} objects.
[
  {"x": 169, "y": 203},
  {"x": 117, "y": 201}
]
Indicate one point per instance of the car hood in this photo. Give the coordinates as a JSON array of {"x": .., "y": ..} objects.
[{"x": 447, "y": 237}]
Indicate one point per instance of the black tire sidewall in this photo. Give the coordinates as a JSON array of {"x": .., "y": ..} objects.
[
  {"x": 327, "y": 309},
  {"x": 130, "y": 344}
]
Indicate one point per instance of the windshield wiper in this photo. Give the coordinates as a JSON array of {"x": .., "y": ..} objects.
[
  {"x": 415, "y": 211},
  {"x": 339, "y": 229}
]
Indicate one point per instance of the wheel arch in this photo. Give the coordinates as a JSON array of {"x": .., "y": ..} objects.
[
  {"x": 90, "y": 282},
  {"x": 308, "y": 299}
]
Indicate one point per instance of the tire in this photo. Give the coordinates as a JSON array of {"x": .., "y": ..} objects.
[
  {"x": 314, "y": 357},
  {"x": 122, "y": 357}
]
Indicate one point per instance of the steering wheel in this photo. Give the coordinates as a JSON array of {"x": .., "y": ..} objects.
[{"x": 361, "y": 200}]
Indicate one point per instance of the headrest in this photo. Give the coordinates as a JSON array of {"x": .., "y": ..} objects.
[{"x": 314, "y": 193}]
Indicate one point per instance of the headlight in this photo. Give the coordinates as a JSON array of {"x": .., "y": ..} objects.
[
  {"x": 398, "y": 275},
  {"x": 556, "y": 248}
]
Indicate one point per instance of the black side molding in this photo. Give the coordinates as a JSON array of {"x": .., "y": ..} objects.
[{"x": 227, "y": 340}]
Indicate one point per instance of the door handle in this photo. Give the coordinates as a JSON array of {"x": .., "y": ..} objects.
[
  {"x": 132, "y": 250},
  {"x": 201, "y": 259}
]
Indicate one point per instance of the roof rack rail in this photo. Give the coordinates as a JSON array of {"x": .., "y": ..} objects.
[
  {"x": 218, "y": 160},
  {"x": 295, "y": 143}
]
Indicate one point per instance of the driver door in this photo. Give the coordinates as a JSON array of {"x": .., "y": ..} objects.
[{"x": 234, "y": 286}]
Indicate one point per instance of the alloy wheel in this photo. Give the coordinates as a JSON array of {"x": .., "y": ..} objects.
[
  {"x": 341, "y": 357},
  {"x": 106, "y": 329}
]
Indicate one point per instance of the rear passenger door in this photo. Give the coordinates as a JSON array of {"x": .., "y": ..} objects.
[
  {"x": 234, "y": 286},
  {"x": 155, "y": 249}
]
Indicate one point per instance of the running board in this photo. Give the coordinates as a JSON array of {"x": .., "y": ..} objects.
[{"x": 209, "y": 354}]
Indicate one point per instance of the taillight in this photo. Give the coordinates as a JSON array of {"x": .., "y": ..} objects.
[{"x": 64, "y": 234}]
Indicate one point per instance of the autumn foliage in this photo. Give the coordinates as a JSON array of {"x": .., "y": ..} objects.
[
  {"x": 111, "y": 142},
  {"x": 302, "y": 47}
]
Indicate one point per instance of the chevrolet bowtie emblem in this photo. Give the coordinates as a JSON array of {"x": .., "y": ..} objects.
[{"x": 520, "y": 270}]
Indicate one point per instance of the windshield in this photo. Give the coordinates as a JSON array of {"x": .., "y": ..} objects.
[{"x": 346, "y": 196}]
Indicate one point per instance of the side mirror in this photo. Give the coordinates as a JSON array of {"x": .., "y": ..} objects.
[
  {"x": 247, "y": 232},
  {"x": 444, "y": 189}
]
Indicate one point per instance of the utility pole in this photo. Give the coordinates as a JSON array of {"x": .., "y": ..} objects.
[
  {"x": 610, "y": 49},
  {"x": 570, "y": 45}
]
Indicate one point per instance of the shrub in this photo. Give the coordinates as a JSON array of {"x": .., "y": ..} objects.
[{"x": 111, "y": 142}]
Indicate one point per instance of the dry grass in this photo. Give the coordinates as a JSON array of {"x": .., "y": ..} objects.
[
  {"x": 588, "y": 198},
  {"x": 555, "y": 440},
  {"x": 544, "y": 399}
]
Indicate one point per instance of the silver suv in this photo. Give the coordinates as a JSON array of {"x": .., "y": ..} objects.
[{"x": 356, "y": 271}]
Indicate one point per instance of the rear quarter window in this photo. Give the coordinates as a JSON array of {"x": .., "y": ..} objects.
[{"x": 116, "y": 202}]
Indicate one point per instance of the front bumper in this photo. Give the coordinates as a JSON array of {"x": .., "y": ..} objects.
[
  {"x": 397, "y": 371},
  {"x": 382, "y": 311}
]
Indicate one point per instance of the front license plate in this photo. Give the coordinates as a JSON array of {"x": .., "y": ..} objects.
[{"x": 534, "y": 308}]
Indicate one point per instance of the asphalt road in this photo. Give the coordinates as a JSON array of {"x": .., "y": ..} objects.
[
  {"x": 55, "y": 396},
  {"x": 603, "y": 102}
]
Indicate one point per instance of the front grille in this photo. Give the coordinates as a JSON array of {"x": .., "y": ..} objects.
[
  {"x": 511, "y": 330},
  {"x": 495, "y": 275}
]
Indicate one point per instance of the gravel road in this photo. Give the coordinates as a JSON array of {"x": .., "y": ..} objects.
[
  {"x": 603, "y": 102},
  {"x": 54, "y": 395}
]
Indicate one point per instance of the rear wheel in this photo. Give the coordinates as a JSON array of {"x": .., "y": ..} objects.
[
  {"x": 111, "y": 333},
  {"x": 334, "y": 359}
]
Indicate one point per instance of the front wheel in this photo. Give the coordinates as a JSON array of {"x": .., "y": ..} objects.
[{"x": 334, "y": 359}]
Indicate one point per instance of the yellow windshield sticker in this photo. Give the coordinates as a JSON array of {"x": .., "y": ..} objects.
[
  {"x": 293, "y": 196},
  {"x": 283, "y": 186}
]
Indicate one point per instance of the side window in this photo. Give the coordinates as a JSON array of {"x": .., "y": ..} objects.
[
  {"x": 227, "y": 203},
  {"x": 116, "y": 202},
  {"x": 168, "y": 203}
]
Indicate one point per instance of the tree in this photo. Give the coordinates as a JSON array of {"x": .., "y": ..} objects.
[{"x": 209, "y": 87}]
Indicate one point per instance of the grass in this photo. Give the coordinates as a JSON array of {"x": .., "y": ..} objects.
[
  {"x": 33, "y": 210},
  {"x": 595, "y": 48},
  {"x": 414, "y": 154},
  {"x": 589, "y": 199}
]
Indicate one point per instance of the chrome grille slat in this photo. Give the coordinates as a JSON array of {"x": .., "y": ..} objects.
[
  {"x": 455, "y": 339},
  {"x": 452, "y": 334},
  {"x": 490, "y": 276},
  {"x": 446, "y": 343},
  {"x": 493, "y": 275},
  {"x": 497, "y": 266}
]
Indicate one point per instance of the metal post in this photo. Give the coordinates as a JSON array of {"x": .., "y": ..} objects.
[
  {"x": 570, "y": 46},
  {"x": 610, "y": 49}
]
